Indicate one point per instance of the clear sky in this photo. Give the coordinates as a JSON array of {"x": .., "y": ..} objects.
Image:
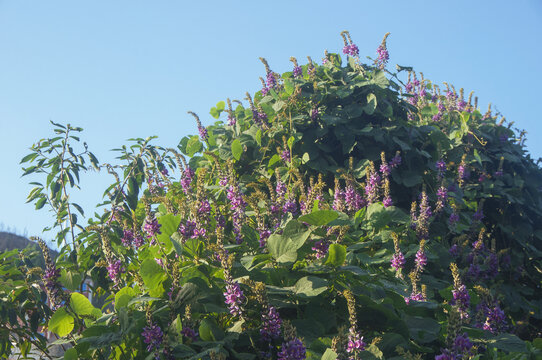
[{"x": 123, "y": 69}]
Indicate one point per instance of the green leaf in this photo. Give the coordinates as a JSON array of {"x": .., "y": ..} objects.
[
  {"x": 152, "y": 273},
  {"x": 310, "y": 286},
  {"x": 336, "y": 255},
  {"x": 193, "y": 146},
  {"x": 329, "y": 355},
  {"x": 170, "y": 224},
  {"x": 41, "y": 202},
  {"x": 80, "y": 304},
  {"x": 70, "y": 279},
  {"x": 71, "y": 354},
  {"x": 61, "y": 323},
  {"x": 258, "y": 137},
  {"x": 177, "y": 241},
  {"x": 236, "y": 149},
  {"x": 123, "y": 297},
  {"x": 319, "y": 217},
  {"x": 371, "y": 104},
  {"x": 209, "y": 330},
  {"x": 305, "y": 159},
  {"x": 477, "y": 157},
  {"x": 506, "y": 342},
  {"x": 422, "y": 329}
]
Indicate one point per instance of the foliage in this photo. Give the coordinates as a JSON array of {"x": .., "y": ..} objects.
[{"x": 342, "y": 214}]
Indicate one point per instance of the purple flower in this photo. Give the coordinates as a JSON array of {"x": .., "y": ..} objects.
[
  {"x": 478, "y": 215},
  {"x": 271, "y": 323},
  {"x": 314, "y": 114},
  {"x": 387, "y": 202},
  {"x": 383, "y": 56},
  {"x": 271, "y": 80},
  {"x": 437, "y": 117},
  {"x": 297, "y": 71},
  {"x": 355, "y": 342},
  {"x": 203, "y": 133},
  {"x": 264, "y": 235},
  {"x": 421, "y": 260},
  {"x": 351, "y": 50},
  {"x": 371, "y": 188},
  {"x": 231, "y": 118},
  {"x": 352, "y": 198},
  {"x": 265, "y": 90},
  {"x": 152, "y": 336},
  {"x": 290, "y": 206},
  {"x": 285, "y": 155},
  {"x": 238, "y": 207},
  {"x": 338, "y": 200},
  {"x": 385, "y": 169},
  {"x": 292, "y": 350},
  {"x": 190, "y": 333},
  {"x": 321, "y": 248},
  {"x": 461, "y": 299},
  {"x": 395, "y": 161},
  {"x": 495, "y": 320},
  {"x": 234, "y": 298},
  {"x": 187, "y": 230},
  {"x": 127, "y": 237},
  {"x": 398, "y": 261},
  {"x": 498, "y": 173},
  {"x": 454, "y": 250},
  {"x": 186, "y": 179},
  {"x": 441, "y": 167},
  {"x": 454, "y": 218},
  {"x": 151, "y": 226},
  {"x": 115, "y": 269},
  {"x": 442, "y": 197},
  {"x": 204, "y": 207},
  {"x": 445, "y": 355}
]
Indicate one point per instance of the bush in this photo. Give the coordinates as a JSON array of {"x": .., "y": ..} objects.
[{"x": 342, "y": 214}]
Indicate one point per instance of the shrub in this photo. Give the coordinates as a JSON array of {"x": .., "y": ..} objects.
[{"x": 343, "y": 213}]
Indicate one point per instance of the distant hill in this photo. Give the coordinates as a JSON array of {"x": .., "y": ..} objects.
[{"x": 10, "y": 241}]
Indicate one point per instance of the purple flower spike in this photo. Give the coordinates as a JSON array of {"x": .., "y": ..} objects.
[
  {"x": 271, "y": 323},
  {"x": 355, "y": 342},
  {"x": 421, "y": 259},
  {"x": 234, "y": 298},
  {"x": 398, "y": 261},
  {"x": 297, "y": 71},
  {"x": 115, "y": 269},
  {"x": 152, "y": 336},
  {"x": 321, "y": 248},
  {"x": 292, "y": 350},
  {"x": 383, "y": 56}
]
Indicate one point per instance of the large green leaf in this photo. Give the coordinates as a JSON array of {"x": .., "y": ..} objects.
[
  {"x": 319, "y": 217},
  {"x": 152, "y": 273},
  {"x": 336, "y": 255},
  {"x": 80, "y": 304},
  {"x": 236, "y": 149},
  {"x": 310, "y": 286},
  {"x": 123, "y": 297},
  {"x": 61, "y": 323}
]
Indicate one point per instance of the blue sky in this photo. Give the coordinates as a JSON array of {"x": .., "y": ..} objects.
[{"x": 127, "y": 69}]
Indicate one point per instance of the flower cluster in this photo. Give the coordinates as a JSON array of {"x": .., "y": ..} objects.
[
  {"x": 271, "y": 323},
  {"x": 186, "y": 179},
  {"x": 292, "y": 350},
  {"x": 320, "y": 248},
  {"x": 349, "y": 47},
  {"x": 495, "y": 319},
  {"x": 382, "y": 52},
  {"x": 114, "y": 269},
  {"x": 234, "y": 298},
  {"x": 152, "y": 336}
]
